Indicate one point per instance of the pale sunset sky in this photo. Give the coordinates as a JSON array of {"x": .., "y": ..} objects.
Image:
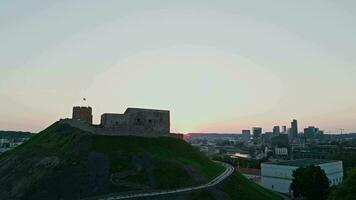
[{"x": 218, "y": 66}]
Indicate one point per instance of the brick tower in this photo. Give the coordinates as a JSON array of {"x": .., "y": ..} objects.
[{"x": 83, "y": 113}]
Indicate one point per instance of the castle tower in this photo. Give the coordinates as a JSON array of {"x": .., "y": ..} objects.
[{"x": 83, "y": 113}]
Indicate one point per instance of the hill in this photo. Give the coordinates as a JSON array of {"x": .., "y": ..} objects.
[{"x": 63, "y": 162}]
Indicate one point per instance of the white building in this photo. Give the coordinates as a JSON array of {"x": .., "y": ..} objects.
[
  {"x": 277, "y": 176},
  {"x": 281, "y": 151}
]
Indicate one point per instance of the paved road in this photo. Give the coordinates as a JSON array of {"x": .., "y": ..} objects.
[{"x": 228, "y": 171}]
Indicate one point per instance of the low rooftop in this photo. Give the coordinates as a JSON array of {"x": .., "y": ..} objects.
[
  {"x": 131, "y": 110},
  {"x": 303, "y": 162},
  {"x": 145, "y": 110}
]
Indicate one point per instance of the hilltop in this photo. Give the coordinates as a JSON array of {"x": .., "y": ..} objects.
[{"x": 63, "y": 162}]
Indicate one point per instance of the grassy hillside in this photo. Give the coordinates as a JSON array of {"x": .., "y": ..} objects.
[
  {"x": 63, "y": 162},
  {"x": 239, "y": 187},
  {"x": 235, "y": 187}
]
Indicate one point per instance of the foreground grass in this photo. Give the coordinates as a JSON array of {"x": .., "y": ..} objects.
[
  {"x": 23, "y": 178},
  {"x": 236, "y": 187},
  {"x": 239, "y": 187},
  {"x": 167, "y": 156}
]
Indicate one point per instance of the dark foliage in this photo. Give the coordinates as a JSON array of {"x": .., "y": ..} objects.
[
  {"x": 347, "y": 191},
  {"x": 310, "y": 183}
]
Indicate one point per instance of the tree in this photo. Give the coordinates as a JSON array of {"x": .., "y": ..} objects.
[
  {"x": 347, "y": 191},
  {"x": 310, "y": 183}
]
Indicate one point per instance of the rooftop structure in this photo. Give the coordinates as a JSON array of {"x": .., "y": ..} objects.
[{"x": 303, "y": 162}]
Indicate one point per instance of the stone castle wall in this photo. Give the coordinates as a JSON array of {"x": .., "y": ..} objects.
[
  {"x": 138, "y": 120},
  {"x": 135, "y": 121},
  {"x": 94, "y": 129},
  {"x": 83, "y": 113}
]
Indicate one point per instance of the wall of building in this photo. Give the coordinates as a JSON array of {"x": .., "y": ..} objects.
[
  {"x": 279, "y": 177},
  {"x": 135, "y": 121},
  {"x": 113, "y": 121},
  {"x": 138, "y": 120},
  {"x": 276, "y": 184},
  {"x": 246, "y": 136},
  {"x": 334, "y": 172},
  {"x": 281, "y": 151},
  {"x": 95, "y": 129}
]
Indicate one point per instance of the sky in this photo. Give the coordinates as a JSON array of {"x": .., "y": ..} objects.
[{"x": 218, "y": 66}]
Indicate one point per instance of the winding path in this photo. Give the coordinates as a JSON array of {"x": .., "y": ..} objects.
[{"x": 228, "y": 171}]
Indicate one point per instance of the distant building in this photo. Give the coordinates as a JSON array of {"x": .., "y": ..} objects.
[
  {"x": 246, "y": 136},
  {"x": 251, "y": 174},
  {"x": 280, "y": 141},
  {"x": 83, "y": 114},
  {"x": 313, "y": 133},
  {"x": 257, "y": 133},
  {"x": 310, "y": 132},
  {"x": 276, "y": 131},
  {"x": 294, "y": 129},
  {"x": 281, "y": 151},
  {"x": 278, "y": 176},
  {"x": 314, "y": 151},
  {"x": 7, "y": 144},
  {"x": 320, "y": 135},
  {"x": 284, "y": 129},
  {"x": 267, "y": 137}
]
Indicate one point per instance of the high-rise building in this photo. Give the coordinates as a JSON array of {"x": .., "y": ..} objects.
[
  {"x": 310, "y": 132},
  {"x": 267, "y": 137},
  {"x": 246, "y": 135},
  {"x": 276, "y": 131},
  {"x": 294, "y": 129},
  {"x": 313, "y": 133},
  {"x": 284, "y": 129},
  {"x": 257, "y": 132}
]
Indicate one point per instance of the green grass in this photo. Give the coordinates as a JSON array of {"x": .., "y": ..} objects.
[
  {"x": 203, "y": 194},
  {"x": 239, "y": 187},
  {"x": 167, "y": 157},
  {"x": 163, "y": 148}
]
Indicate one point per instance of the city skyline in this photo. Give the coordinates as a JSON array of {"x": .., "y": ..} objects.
[{"x": 218, "y": 67}]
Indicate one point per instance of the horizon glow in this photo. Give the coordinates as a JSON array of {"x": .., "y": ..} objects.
[{"x": 217, "y": 66}]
